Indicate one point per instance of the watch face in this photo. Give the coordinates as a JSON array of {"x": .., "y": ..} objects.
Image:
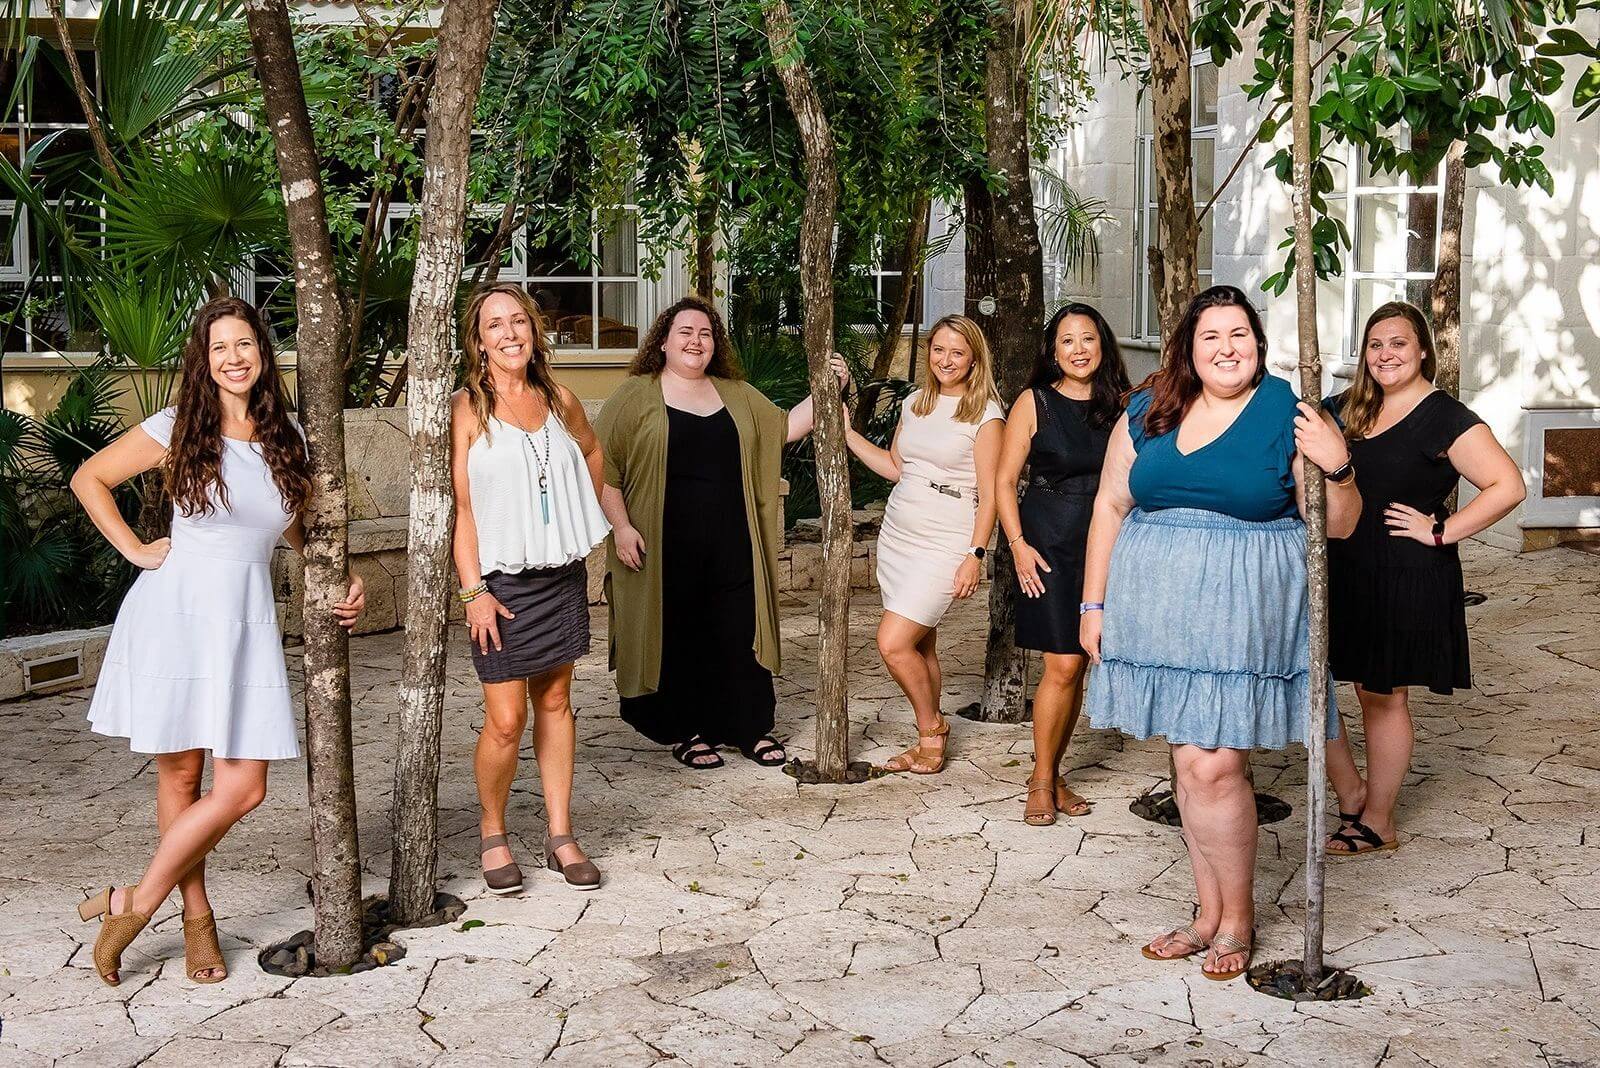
[{"x": 978, "y": 551}]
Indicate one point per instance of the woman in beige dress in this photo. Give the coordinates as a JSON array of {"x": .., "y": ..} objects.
[{"x": 939, "y": 518}]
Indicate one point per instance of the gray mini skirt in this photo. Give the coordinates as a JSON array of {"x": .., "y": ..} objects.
[{"x": 551, "y": 624}]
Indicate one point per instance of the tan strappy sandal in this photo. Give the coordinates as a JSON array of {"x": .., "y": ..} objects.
[
  {"x": 1035, "y": 815},
  {"x": 117, "y": 931},
  {"x": 922, "y": 761},
  {"x": 201, "y": 952},
  {"x": 1069, "y": 801},
  {"x": 1190, "y": 938},
  {"x": 1226, "y": 945}
]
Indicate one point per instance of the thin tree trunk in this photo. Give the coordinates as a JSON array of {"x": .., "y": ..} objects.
[
  {"x": 464, "y": 33},
  {"x": 1013, "y": 329},
  {"x": 336, "y": 854},
  {"x": 1447, "y": 274},
  {"x": 833, "y": 474},
  {"x": 911, "y": 271},
  {"x": 1176, "y": 241},
  {"x": 1316, "y": 493},
  {"x": 86, "y": 101},
  {"x": 705, "y": 242}
]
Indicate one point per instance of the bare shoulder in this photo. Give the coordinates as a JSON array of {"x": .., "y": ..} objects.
[{"x": 1023, "y": 406}]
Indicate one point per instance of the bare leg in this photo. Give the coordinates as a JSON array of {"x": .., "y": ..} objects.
[
  {"x": 908, "y": 652},
  {"x": 1056, "y": 705},
  {"x": 1390, "y": 739},
  {"x": 177, "y": 787},
  {"x": 1347, "y": 782},
  {"x": 555, "y": 743},
  {"x": 1219, "y": 823},
  {"x": 505, "y": 717},
  {"x": 237, "y": 787},
  {"x": 928, "y": 646}
]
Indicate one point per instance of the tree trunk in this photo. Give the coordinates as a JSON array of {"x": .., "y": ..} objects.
[
  {"x": 1013, "y": 329},
  {"x": 86, "y": 101},
  {"x": 911, "y": 272},
  {"x": 833, "y": 473},
  {"x": 1447, "y": 274},
  {"x": 1176, "y": 242},
  {"x": 705, "y": 243},
  {"x": 1316, "y": 493},
  {"x": 336, "y": 854},
  {"x": 464, "y": 32}
]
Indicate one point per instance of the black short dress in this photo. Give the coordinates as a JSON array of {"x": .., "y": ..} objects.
[
  {"x": 1063, "y": 475},
  {"x": 711, "y": 684},
  {"x": 1396, "y": 614}
]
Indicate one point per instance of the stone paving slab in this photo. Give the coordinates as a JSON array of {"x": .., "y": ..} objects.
[{"x": 910, "y": 921}]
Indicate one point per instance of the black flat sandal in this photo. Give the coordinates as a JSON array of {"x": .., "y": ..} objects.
[
  {"x": 766, "y": 751},
  {"x": 692, "y": 752},
  {"x": 1360, "y": 840}
]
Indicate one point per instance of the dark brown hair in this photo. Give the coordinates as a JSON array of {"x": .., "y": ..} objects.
[
  {"x": 193, "y": 467},
  {"x": 480, "y": 386},
  {"x": 652, "y": 355},
  {"x": 1176, "y": 385},
  {"x": 1109, "y": 385},
  {"x": 1364, "y": 400}
]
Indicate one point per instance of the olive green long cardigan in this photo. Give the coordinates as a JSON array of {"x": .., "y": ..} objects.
[{"x": 633, "y": 431}]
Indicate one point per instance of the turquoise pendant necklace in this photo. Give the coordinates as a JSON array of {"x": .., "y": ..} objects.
[{"x": 543, "y": 463}]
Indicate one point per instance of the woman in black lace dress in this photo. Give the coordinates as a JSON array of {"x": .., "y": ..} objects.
[{"x": 1058, "y": 429}]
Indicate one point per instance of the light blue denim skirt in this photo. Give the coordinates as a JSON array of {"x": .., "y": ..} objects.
[{"x": 1205, "y": 634}]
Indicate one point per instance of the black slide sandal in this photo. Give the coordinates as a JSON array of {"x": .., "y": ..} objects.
[
  {"x": 692, "y": 753},
  {"x": 766, "y": 751}
]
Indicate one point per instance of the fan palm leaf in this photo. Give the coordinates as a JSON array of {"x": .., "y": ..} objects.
[{"x": 146, "y": 71}]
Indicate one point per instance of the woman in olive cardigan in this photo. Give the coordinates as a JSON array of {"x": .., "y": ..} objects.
[{"x": 692, "y": 467}]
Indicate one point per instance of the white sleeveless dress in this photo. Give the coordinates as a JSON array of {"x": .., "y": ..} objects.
[
  {"x": 195, "y": 659},
  {"x": 926, "y": 531}
]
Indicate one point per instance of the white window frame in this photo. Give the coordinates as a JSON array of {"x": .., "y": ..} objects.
[
  {"x": 645, "y": 292},
  {"x": 1146, "y": 321},
  {"x": 875, "y": 272}
]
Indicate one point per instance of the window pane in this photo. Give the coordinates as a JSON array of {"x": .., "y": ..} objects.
[
  {"x": 12, "y": 338},
  {"x": 480, "y": 236},
  {"x": 1380, "y": 244},
  {"x": 1422, "y": 231},
  {"x": 553, "y": 261},
  {"x": 8, "y": 223},
  {"x": 1204, "y": 253},
  {"x": 567, "y": 308},
  {"x": 619, "y": 245},
  {"x": 1370, "y": 293},
  {"x": 1203, "y": 96},
  {"x": 1204, "y": 150},
  {"x": 618, "y": 323},
  {"x": 52, "y": 99},
  {"x": 1152, "y": 315}
]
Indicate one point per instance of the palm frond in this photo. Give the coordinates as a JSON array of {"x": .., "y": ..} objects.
[
  {"x": 1068, "y": 222},
  {"x": 146, "y": 70}
]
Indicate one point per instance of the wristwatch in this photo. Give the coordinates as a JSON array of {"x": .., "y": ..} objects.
[
  {"x": 978, "y": 551},
  {"x": 1438, "y": 533},
  {"x": 1342, "y": 474}
]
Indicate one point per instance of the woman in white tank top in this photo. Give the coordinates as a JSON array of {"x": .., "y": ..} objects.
[{"x": 526, "y": 470}]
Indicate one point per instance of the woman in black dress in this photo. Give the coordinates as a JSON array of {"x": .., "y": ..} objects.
[
  {"x": 1058, "y": 428},
  {"x": 1397, "y": 618}
]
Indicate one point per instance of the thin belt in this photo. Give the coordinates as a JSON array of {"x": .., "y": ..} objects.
[
  {"x": 1071, "y": 486},
  {"x": 944, "y": 488}
]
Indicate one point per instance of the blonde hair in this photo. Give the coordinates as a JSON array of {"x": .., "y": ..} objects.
[
  {"x": 980, "y": 376},
  {"x": 479, "y": 383},
  {"x": 1364, "y": 401}
]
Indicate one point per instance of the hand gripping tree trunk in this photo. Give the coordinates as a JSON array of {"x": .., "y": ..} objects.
[
  {"x": 330, "y": 767},
  {"x": 1173, "y": 251},
  {"x": 833, "y": 475},
  {"x": 1316, "y": 493},
  {"x": 464, "y": 33},
  {"x": 1013, "y": 328}
]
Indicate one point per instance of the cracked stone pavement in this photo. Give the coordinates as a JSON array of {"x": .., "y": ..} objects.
[{"x": 909, "y": 921}]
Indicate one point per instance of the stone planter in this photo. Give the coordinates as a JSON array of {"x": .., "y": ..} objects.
[{"x": 48, "y": 663}]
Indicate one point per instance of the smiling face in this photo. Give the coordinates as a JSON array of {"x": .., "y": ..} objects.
[
  {"x": 1393, "y": 353},
  {"x": 1078, "y": 348},
  {"x": 505, "y": 333},
  {"x": 690, "y": 343},
  {"x": 1226, "y": 355},
  {"x": 233, "y": 355},
  {"x": 950, "y": 360}
]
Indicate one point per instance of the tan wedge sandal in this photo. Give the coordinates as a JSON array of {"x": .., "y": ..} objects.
[
  {"x": 201, "y": 951},
  {"x": 117, "y": 931},
  {"x": 922, "y": 761},
  {"x": 1040, "y": 815}
]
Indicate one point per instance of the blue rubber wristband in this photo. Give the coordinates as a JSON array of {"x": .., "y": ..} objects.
[{"x": 1091, "y": 606}]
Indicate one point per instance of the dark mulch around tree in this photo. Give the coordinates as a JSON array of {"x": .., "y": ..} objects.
[
  {"x": 1283, "y": 979},
  {"x": 1162, "y": 807},
  {"x": 974, "y": 712},
  {"x": 297, "y": 956},
  {"x": 805, "y": 771}
]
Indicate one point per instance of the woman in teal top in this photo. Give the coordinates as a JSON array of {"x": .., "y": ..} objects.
[{"x": 1197, "y": 551}]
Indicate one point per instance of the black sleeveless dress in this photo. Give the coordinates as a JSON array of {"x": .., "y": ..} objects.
[
  {"x": 711, "y": 683},
  {"x": 1395, "y": 611},
  {"x": 1064, "y": 474}
]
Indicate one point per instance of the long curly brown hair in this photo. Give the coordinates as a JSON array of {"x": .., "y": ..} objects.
[
  {"x": 479, "y": 382},
  {"x": 1174, "y": 388},
  {"x": 193, "y": 468},
  {"x": 652, "y": 355}
]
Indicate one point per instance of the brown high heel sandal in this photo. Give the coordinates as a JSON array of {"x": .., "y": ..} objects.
[
  {"x": 1040, "y": 815},
  {"x": 201, "y": 953},
  {"x": 117, "y": 931},
  {"x": 1069, "y": 801},
  {"x": 580, "y": 874},
  {"x": 922, "y": 761}
]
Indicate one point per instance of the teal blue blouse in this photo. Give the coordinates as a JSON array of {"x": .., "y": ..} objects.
[{"x": 1246, "y": 472}]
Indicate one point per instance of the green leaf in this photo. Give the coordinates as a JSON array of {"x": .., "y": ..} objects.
[{"x": 469, "y": 925}]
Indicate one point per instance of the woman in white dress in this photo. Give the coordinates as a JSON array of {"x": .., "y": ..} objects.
[
  {"x": 526, "y": 470},
  {"x": 195, "y": 659},
  {"x": 939, "y": 518}
]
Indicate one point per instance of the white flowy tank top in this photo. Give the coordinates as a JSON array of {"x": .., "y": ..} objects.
[{"x": 522, "y": 525}]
